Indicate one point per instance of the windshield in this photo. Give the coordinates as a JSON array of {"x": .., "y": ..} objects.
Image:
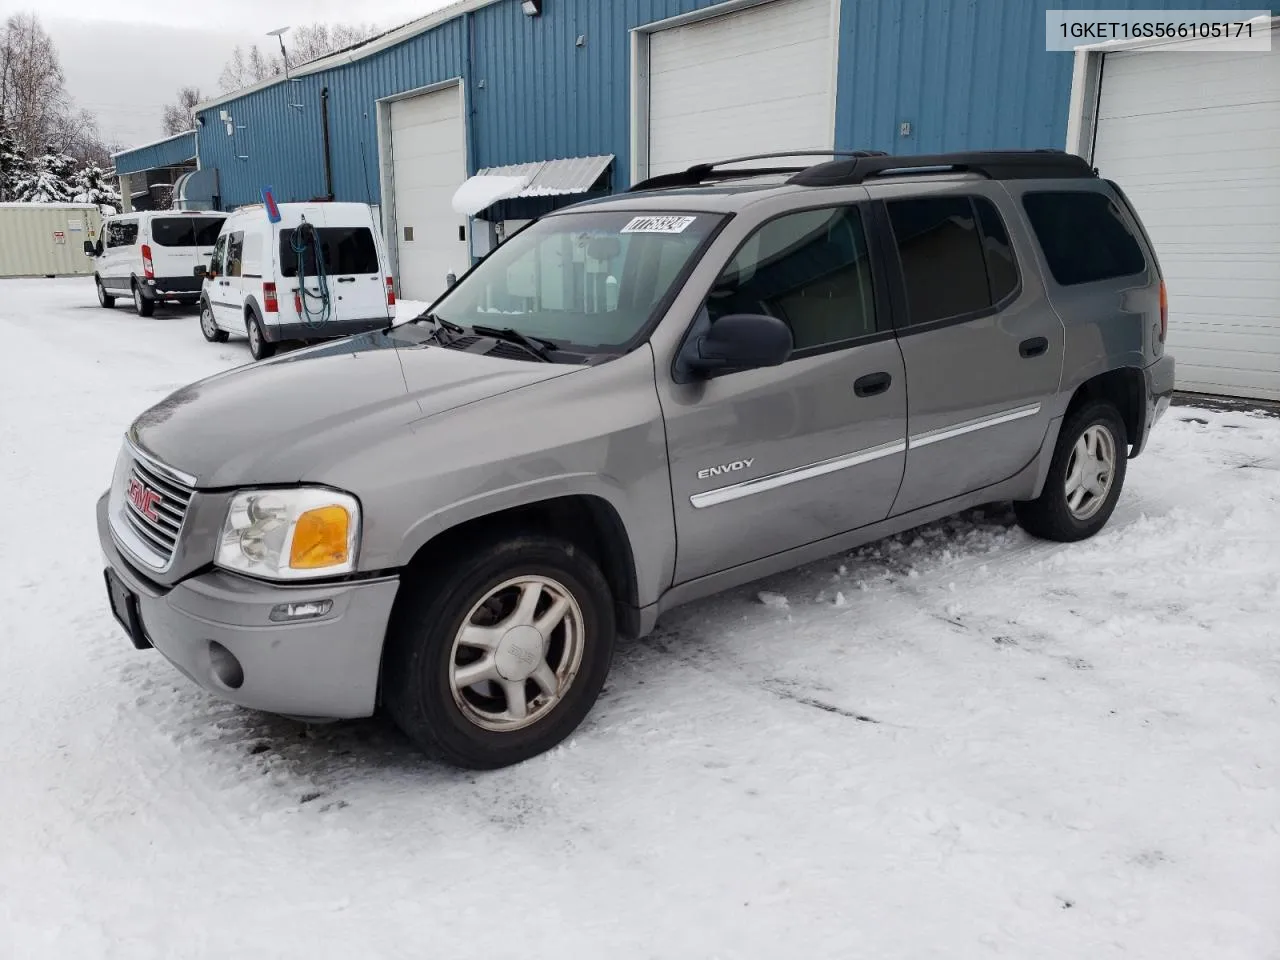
[
  {"x": 590, "y": 279},
  {"x": 185, "y": 231}
]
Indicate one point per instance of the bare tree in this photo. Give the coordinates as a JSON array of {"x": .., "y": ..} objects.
[
  {"x": 181, "y": 116},
  {"x": 304, "y": 44},
  {"x": 33, "y": 96}
]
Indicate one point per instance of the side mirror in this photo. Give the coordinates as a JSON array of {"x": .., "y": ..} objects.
[
  {"x": 450, "y": 279},
  {"x": 90, "y": 248},
  {"x": 740, "y": 341}
]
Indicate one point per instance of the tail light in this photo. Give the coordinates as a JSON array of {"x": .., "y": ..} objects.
[
  {"x": 148, "y": 268},
  {"x": 269, "y": 301},
  {"x": 391, "y": 292},
  {"x": 297, "y": 302},
  {"x": 1164, "y": 311}
]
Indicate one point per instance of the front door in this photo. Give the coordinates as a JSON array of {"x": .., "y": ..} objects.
[
  {"x": 766, "y": 460},
  {"x": 983, "y": 349}
]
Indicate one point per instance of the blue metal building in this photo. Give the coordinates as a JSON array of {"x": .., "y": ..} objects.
[{"x": 629, "y": 88}]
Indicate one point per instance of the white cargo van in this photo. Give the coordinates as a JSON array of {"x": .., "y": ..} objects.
[
  {"x": 319, "y": 272},
  {"x": 153, "y": 256}
]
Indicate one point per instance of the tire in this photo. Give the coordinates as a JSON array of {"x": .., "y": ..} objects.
[
  {"x": 209, "y": 327},
  {"x": 141, "y": 304},
  {"x": 105, "y": 300},
  {"x": 472, "y": 725},
  {"x": 1093, "y": 429},
  {"x": 259, "y": 347}
]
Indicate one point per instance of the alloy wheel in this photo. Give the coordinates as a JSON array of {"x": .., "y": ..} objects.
[
  {"x": 517, "y": 653},
  {"x": 1090, "y": 471}
]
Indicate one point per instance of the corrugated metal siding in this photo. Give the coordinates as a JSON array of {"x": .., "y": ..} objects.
[
  {"x": 964, "y": 74},
  {"x": 167, "y": 153},
  {"x": 28, "y": 247},
  {"x": 282, "y": 143}
]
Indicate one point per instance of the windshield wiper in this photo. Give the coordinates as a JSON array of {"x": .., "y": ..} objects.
[
  {"x": 438, "y": 321},
  {"x": 539, "y": 347}
]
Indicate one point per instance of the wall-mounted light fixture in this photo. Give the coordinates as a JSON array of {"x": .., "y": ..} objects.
[{"x": 531, "y": 8}]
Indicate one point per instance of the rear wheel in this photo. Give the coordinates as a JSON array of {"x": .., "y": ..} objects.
[
  {"x": 498, "y": 656},
  {"x": 105, "y": 300},
  {"x": 1084, "y": 479},
  {"x": 144, "y": 306},
  {"x": 209, "y": 327},
  {"x": 259, "y": 347}
]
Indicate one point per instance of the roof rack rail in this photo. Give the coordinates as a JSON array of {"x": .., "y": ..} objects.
[
  {"x": 993, "y": 164},
  {"x": 700, "y": 173}
]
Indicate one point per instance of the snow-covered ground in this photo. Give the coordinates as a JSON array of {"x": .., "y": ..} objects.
[{"x": 956, "y": 743}]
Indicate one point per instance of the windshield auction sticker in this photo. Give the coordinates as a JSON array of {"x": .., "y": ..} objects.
[{"x": 658, "y": 225}]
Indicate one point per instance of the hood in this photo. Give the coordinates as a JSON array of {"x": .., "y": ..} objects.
[{"x": 283, "y": 420}]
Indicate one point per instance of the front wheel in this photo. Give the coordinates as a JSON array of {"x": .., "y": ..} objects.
[
  {"x": 145, "y": 307},
  {"x": 498, "y": 656},
  {"x": 259, "y": 347},
  {"x": 105, "y": 300},
  {"x": 209, "y": 327},
  {"x": 1084, "y": 479}
]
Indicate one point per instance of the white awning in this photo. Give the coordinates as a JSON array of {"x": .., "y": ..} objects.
[{"x": 542, "y": 178}]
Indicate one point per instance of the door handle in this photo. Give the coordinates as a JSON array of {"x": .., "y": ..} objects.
[
  {"x": 872, "y": 384},
  {"x": 1033, "y": 347},
  {"x": 346, "y": 279}
]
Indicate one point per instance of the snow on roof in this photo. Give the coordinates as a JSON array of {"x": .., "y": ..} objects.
[
  {"x": 155, "y": 143},
  {"x": 28, "y": 205},
  {"x": 357, "y": 51}
]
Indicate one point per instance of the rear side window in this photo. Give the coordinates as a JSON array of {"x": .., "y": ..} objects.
[
  {"x": 809, "y": 269},
  {"x": 346, "y": 250},
  {"x": 185, "y": 231},
  {"x": 955, "y": 254},
  {"x": 1084, "y": 236}
]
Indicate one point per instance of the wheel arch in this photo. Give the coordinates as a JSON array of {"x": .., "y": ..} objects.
[
  {"x": 1125, "y": 389},
  {"x": 589, "y": 521}
]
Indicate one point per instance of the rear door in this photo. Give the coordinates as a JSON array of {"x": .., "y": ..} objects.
[
  {"x": 181, "y": 245},
  {"x": 352, "y": 266},
  {"x": 983, "y": 348}
]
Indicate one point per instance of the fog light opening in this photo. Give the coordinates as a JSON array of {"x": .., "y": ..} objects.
[
  {"x": 226, "y": 668},
  {"x": 305, "y": 610}
]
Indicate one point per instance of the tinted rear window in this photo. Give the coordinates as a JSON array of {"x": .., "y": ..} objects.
[
  {"x": 1084, "y": 236},
  {"x": 346, "y": 250},
  {"x": 185, "y": 231}
]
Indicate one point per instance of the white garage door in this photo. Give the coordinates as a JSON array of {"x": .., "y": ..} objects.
[
  {"x": 428, "y": 160},
  {"x": 757, "y": 81},
  {"x": 1193, "y": 138}
]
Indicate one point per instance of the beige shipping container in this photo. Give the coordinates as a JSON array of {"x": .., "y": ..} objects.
[{"x": 47, "y": 239}]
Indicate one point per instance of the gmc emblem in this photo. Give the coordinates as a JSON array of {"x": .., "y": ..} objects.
[{"x": 144, "y": 499}]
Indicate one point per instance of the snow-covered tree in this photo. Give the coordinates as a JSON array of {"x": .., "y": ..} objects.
[
  {"x": 14, "y": 167},
  {"x": 93, "y": 184},
  {"x": 49, "y": 180}
]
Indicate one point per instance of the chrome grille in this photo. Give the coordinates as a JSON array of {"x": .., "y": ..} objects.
[{"x": 161, "y": 533}]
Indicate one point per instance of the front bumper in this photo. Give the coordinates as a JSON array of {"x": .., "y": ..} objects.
[
  {"x": 325, "y": 668},
  {"x": 1158, "y": 378}
]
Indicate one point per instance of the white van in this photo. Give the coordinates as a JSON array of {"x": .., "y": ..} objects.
[
  {"x": 153, "y": 256},
  {"x": 319, "y": 272}
]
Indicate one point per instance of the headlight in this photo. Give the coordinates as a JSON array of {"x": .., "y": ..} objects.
[{"x": 290, "y": 534}]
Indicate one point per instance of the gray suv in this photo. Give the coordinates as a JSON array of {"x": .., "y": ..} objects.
[{"x": 631, "y": 404}]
